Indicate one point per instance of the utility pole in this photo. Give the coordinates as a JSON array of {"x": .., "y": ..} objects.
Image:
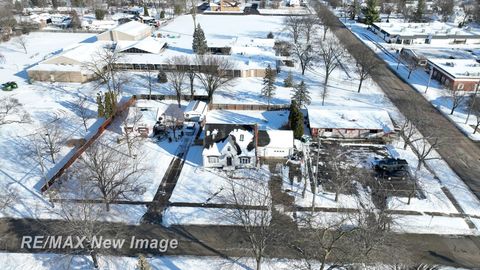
[
  {"x": 473, "y": 102},
  {"x": 429, "y": 79},
  {"x": 315, "y": 179}
]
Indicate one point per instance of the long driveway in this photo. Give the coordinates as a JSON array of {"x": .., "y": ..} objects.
[{"x": 461, "y": 154}]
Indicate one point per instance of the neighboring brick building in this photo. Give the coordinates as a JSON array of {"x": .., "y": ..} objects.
[{"x": 456, "y": 74}]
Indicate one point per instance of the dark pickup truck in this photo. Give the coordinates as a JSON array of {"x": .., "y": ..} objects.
[{"x": 392, "y": 165}]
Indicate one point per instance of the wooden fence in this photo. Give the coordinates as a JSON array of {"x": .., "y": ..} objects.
[
  {"x": 84, "y": 147},
  {"x": 171, "y": 97},
  {"x": 248, "y": 107}
]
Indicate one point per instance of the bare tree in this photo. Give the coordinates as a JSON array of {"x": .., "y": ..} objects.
[
  {"x": 404, "y": 9},
  {"x": 21, "y": 42},
  {"x": 214, "y": 72},
  {"x": 327, "y": 18},
  {"x": 322, "y": 240},
  {"x": 365, "y": 67},
  {"x": 468, "y": 10},
  {"x": 150, "y": 80},
  {"x": 11, "y": 111},
  {"x": 8, "y": 196},
  {"x": 445, "y": 8},
  {"x": 475, "y": 111},
  {"x": 176, "y": 77},
  {"x": 294, "y": 25},
  {"x": 82, "y": 218},
  {"x": 130, "y": 124},
  {"x": 414, "y": 178},
  {"x": 358, "y": 236},
  {"x": 423, "y": 148},
  {"x": 81, "y": 104},
  {"x": 309, "y": 27},
  {"x": 339, "y": 176},
  {"x": 191, "y": 74},
  {"x": 331, "y": 56},
  {"x": 407, "y": 131},
  {"x": 457, "y": 98},
  {"x": 102, "y": 65},
  {"x": 113, "y": 175},
  {"x": 411, "y": 65},
  {"x": 52, "y": 137},
  {"x": 193, "y": 4},
  {"x": 389, "y": 8},
  {"x": 253, "y": 212},
  {"x": 406, "y": 128},
  {"x": 305, "y": 54}
]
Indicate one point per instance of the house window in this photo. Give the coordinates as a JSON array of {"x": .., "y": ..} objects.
[
  {"x": 373, "y": 131},
  {"x": 228, "y": 149},
  {"x": 328, "y": 130},
  {"x": 460, "y": 86},
  {"x": 212, "y": 159},
  {"x": 244, "y": 160},
  {"x": 242, "y": 137}
]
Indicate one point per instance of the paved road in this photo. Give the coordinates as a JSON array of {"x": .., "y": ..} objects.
[
  {"x": 461, "y": 154},
  {"x": 229, "y": 242}
]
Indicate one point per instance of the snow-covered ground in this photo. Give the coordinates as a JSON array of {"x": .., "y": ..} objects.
[
  {"x": 439, "y": 98},
  {"x": 19, "y": 172},
  {"x": 42, "y": 101},
  {"x": 195, "y": 184},
  {"x": 342, "y": 91},
  {"x": 48, "y": 261},
  {"x": 436, "y": 93}
]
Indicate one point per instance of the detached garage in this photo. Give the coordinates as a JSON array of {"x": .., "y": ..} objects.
[
  {"x": 275, "y": 143},
  {"x": 354, "y": 123}
]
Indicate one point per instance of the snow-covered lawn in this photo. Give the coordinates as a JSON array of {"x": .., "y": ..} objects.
[
  {"x": 197, "y": 184},
  {"x": 19, "y": 172},
  {"x": 42, "y": 101},
  {"x": 48, "y": 261}
]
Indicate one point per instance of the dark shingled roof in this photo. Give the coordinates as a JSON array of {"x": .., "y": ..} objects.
[
  {"x": 263, "y": 138},
  {"x": 223, "y": 132}
]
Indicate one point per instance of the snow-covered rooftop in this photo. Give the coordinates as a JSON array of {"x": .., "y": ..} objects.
[
  {"x": 266, "y": 120},
  {"x": 351, "y": 118},
  {"x": 435, "y": 29},
  {"x": 458, "y": 68},
  {"x": 196, "y": 106},
  {"x": 81, "y": 53},
  {"x": 148, "y": 44},
  {"x": 133, "y": 28},
  {"x": 444, "y": 52},
  {"x": 280, "y": 138}
]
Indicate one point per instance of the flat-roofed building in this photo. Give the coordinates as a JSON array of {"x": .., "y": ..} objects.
[
  {"x": 456, "y": 74},
  {"x": 436, "y": 33}
]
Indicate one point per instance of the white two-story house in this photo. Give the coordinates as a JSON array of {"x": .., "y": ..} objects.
[{"x": 229, "y": 146}]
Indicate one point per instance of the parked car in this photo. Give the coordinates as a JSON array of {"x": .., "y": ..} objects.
[
  {"x": 9, "y": 86},
  {"x": 189, "y": 128},
  {"x": 306, "y": 139},
  {"x": 392, "y": 164}
]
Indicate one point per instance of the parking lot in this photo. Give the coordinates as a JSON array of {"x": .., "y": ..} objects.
[{"x": 346, "y": 168}]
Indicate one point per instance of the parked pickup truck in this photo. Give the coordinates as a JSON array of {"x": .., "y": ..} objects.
[{"x": 392, "y": 165}]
